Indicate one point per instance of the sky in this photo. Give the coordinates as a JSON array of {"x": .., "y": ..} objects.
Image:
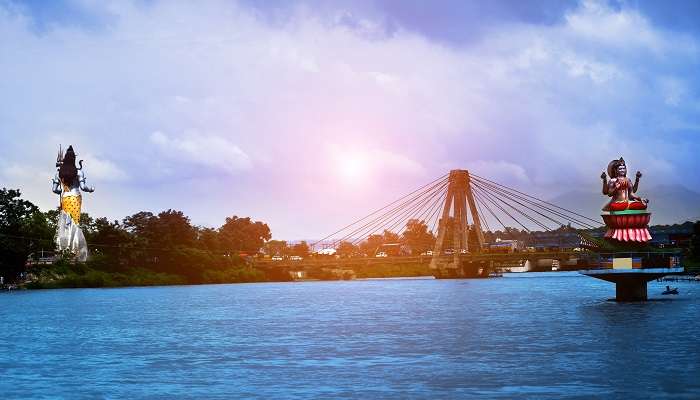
[{"x": 309, "y": 114}]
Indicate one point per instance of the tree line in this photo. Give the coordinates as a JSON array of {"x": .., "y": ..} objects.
[
  {"x": 165, "y": 248},
  {"x": 146, "y": 247}
]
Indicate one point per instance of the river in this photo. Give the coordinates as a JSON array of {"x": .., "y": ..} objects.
[{"x": 539, "y": 336}]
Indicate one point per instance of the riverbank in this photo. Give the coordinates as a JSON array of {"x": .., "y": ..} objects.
[
  {"x": 88, "y": 275},
  {"x": 83, "y": 276}
]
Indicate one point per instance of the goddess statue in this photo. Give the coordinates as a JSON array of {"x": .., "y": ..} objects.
[
  {"x": 68, "y": 182},
  {"x": 625, "y": 214},
  {"x": 621, "y": 189}
]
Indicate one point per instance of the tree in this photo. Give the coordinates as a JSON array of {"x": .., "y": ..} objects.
[
  {"x": 346, "y": 249},
  {"x": 173, "y": 228},
  {"x": 371, "y": 245},
  {"x": 300, "y": 249},
  {"x": 208, "y": 239},
  {"x": 111, "y": 241},
  {"x": 23, "y": 230},
  {"x": 390, "y": 237},
  {"x": 695, "y": 242},
  {"x": 276, "y": 247},
  {"x": 242, "y": 234},
  {"x": 140, "y": 223},
  {"x": 417, "y": 237}
]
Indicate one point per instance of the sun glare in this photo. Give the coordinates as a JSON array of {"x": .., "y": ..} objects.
[{"x": 352, "y": 167}]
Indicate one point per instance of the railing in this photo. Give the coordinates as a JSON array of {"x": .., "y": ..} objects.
[{"x": 475, "y": 257}]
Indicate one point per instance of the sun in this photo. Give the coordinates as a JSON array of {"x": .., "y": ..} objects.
[{"x": 352, "y": 166}]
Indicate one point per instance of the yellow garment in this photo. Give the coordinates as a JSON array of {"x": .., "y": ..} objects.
[{"x": 71, "y": 205}]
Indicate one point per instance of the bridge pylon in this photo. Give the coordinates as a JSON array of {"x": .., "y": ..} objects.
[{"x": 454, "y": 222}]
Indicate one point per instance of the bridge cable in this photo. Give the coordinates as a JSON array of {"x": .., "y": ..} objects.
[
  {"x": 436, "y": 213},
  {"x": 535, "y": 198},
  {"x": 482, "y": 217},
  {"x": 523, "y": 213},
  {"x": 538, "y": 223},
  {"x": 439, "y": 201},
  {"x": 487, "y": 196},
  {"x": 381, "y": 209},
  {"x": 427, "y": 201},
  {"x": 524, "y": 205},
  {"x": 396, "y": 207},
  {"x": 388, "y": 214},
  {"x": 512, "y": 195},
  {"x": 479, "y": 199},
  {"x": 400, "y": 216},
  {"x": 386, "y": 221}
]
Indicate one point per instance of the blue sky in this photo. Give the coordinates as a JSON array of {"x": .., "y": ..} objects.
[{"x": 308, "y": 114}]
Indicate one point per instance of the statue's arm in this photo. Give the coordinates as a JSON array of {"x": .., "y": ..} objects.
[
  {"x": 630, "y": 191},
  {"x": 604, "y": 177},
  {"x": 83, "y": 185},
  {"x": 636, "y": 182},
  {"x": 56, "y": 185}
]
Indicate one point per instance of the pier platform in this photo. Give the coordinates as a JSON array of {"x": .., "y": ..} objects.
[{"x": 630, "y": 284}]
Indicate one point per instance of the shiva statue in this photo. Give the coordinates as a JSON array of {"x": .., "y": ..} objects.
[
  {"x": 620, "y": 188},
  {"x": 68, "y": 182}
]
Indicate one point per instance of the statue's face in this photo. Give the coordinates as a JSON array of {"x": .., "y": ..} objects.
[{"x": 621, "y": 170}]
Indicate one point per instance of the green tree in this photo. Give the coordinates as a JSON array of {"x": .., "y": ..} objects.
[
  {"x": 417, "y": 237},
  {"x": 243, "y": 235},
  {"x": 371, "y": 244},
  {"x": 276, "y": 247},
  {"x": 111, "y": 241},
  {"x": 208, "y": 239},
  {"x": 695, "y": 242},
  {"x": 390, "y": 237},
  {"x": 23, "y": 229},
  {"x": 300, "y": 249},
  {"x": 346, "y": 249}
]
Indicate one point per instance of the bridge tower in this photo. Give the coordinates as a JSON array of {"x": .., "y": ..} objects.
[{"x": 459, "y": 202}]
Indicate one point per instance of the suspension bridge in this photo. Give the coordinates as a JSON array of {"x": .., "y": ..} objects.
[{"x": 446, "y": 222}]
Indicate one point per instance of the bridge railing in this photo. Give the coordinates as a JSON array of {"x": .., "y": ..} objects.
[{"x": 474, "y": 257}]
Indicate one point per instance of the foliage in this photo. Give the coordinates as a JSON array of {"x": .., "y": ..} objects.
[
  {"x": 300, "y": 249},
  {"x": 371, "y": 244},
  {"x": 276, "y": 248},
  {"x": 347, "y": 249},
  {"x": 143, "y": 249},
  {"x": 243, "y": 235},
  {"x": 417, "y": 237},
  {"x": 24, "y": 229}
]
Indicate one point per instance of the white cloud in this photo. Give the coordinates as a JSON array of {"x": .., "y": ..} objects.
[
  {"x": 211, "y": 151},
  {"x": 596, "y": 20},
  {"x": 102, "y": 169},
  {"x": 222, "y": 90},
  {"x": 499, "y": 171}
]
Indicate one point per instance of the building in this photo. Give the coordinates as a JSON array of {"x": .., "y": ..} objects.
[
  {"x": 505, "y": 246},
  {"x": 562, "y": 239}
]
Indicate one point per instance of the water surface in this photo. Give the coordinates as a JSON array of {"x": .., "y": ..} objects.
[{"x": 522, "y": 336}]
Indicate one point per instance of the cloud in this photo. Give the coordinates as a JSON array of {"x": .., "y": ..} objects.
[
  {"x": 209, "y": 151},
  {"x": 499, "y": 171},
  {"x": 597, "y": 21},
  {"x": 101, "y": 169},
  {"x": 214, "y": 88}
]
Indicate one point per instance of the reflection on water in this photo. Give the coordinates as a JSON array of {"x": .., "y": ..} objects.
[{"x": 525, "y": 335}]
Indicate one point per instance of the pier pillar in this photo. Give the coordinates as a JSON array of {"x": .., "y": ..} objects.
[
  {"x": 631, "y": 289},
  {"x": 630, "y": 284}
]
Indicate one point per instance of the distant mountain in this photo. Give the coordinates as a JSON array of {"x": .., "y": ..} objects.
[{"x": 668, "y": 204}]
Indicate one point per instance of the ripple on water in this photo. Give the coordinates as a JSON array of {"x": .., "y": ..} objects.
[{"x": 526, "y": 336}]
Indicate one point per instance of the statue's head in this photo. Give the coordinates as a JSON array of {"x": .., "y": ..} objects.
[
  {"x": 617, "y": 168},
  {"x": 69, "y": 157},
  {"x": 68, "y": 172}
]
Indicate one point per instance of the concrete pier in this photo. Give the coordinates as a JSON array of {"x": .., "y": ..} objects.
[{"x": 630, "y": 284}]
